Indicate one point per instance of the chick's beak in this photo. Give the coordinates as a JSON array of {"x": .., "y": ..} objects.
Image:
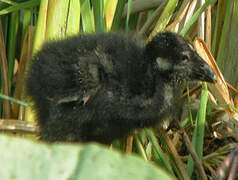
[
  {"x": 202, "y": 71},
  {"x": 208, "y": 76}
]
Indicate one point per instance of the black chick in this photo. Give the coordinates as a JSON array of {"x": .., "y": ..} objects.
[{"x": 100, "y": 87}]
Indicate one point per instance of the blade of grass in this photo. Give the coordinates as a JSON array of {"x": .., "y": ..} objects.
[
  {"x": 189, "y": 105},
  {"x": 164, "y": 18},
  {"x": 3, "y": 5},
  {"x": 175, "y": 160},
  {"x": 142, "y": 6},
  {"x": 152, "y": 16},
  {"x": 118, "y": 15},
  {"x": 56, "y": 22},
  {"x": 196, "y": 16},
  {"x": 12, "y": 42},
  {"x": 179, "y": 16},
  {"x": 128, "y": 14},
  {"x": 162, "y": 158},
  {"x": 5, "y": 26},
  {"x": 201, "y": 121},
  {"x": 9, "y": 2},
  {"x": 41, "y": 26},
  {"x": 39, "y": 38},
  {"x": 35, "y": 13},
  {"x": 87, "y": 17},
  {"x": 4, "y": 74},
  {"x": 98, "y": 9},
  {"x": 110, "y": 13},
  {"x": 195, "y": 157},
  {"x": 201, "y": 22},
  {"x": 148, "y": 151},
  {"x": 73, "y": 21},
  {"x": 208, "y": 27},
  {"x": 13, "y": 100},
  {"x": 198, "y": 135},
  {"x": 129, "y": 144},
  {"x": 190, "y": 163},
  {"x": 26, "y": 22},
  {"x": 19, "y": 6},
  {"x": 140, "y": 148},
  {"x": 25, "y": 57},
  {"x": 141, "y": 20},
  {"x": 224, "y": 106},
  {"x": 220, "y": 14},
  {"x": 227, "y": 52}
]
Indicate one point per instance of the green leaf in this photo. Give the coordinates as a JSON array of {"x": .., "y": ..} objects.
[
  {"x": 56, "y": 24},
  {"x": 41, "y": 26},
  {"x": 195, "y": 17},
  {"x": 19, "y": 6},
  {"x": 87, "y": 17},
  {"x": 162, "y": 160},
  {"x": 12, "y": 43},
  {"x": 73, "y": 21},
  {"x": 118, "y": 15},
  {"x": 13, "y": 100},
  {"x": 24, "y": 159},
  {"x": 98, "y": 8},
  {"x": 198, "y": 135}
]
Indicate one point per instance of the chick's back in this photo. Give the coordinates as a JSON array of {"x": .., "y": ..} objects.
[{"x": 65, "y": 73}]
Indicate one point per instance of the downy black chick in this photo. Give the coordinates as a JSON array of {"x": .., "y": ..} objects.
[{"x": 100, "y": 87}]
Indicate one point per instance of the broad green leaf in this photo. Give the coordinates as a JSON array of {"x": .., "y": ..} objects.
[{"x": 24, "y": 159}]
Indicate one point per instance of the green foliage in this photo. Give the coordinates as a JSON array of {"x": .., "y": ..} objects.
[
  {"x": 23, "y": 21},
  {"x": 40, "y": 161}
]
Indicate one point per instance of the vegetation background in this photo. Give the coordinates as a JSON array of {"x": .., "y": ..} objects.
[{"x": 209, "y": 115}]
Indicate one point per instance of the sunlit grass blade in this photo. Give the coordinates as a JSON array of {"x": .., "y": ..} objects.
[
  {"x": 9, "y": 2},
  {"x": 73, "y": 21},
  {"x": 88, "y": 25},
  {"x": 41, "y": 26},
  {"x": 164, "y": 18},
  {"x": 56, "y": 25},
  {"x": 110, "y": 13},
  {"x": 140, "y": 148}
]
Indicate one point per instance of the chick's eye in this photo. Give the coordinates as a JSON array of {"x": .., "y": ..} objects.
[{"x": 186, "y": 55}]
